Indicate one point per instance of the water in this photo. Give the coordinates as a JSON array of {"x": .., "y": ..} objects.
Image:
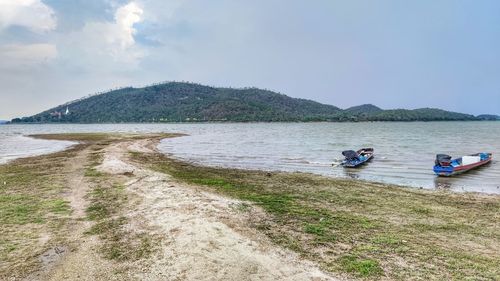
[{"x": 404, "y": 151}]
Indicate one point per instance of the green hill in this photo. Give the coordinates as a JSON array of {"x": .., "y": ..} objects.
[
  {"x": 489, "y": 117},
  {"x": 181, "y": 102},
  {"x": 188, "y": 102},
  {"x": 422, "y": 114},
  {"x": 364, "y": 109},
  {"x": 360, "y": 113}
]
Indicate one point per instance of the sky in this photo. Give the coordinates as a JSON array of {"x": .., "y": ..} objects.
[{"x": 392, "y": 53}]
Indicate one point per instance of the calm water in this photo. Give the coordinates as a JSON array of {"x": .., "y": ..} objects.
[{"x": 404, "y": 151}]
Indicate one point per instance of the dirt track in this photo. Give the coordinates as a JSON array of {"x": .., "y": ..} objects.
[{"x": 201, "y": 236}]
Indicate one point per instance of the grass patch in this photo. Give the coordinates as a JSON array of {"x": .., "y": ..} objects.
[
  {"x": 19, "y": 210},
  {"x": 92, "y": 172},
  {"x": 421, "y": 210},
  {"x": 386, "y": 240},
  {"x": 59, "y": 206},
  {"x": 360, "y": 267},
  {"x": 316, "y": 229},
  {"x": 31, "y": 205}
]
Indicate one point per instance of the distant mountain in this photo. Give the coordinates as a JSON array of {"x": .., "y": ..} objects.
[
  {"x": 362, "y": 112},
  {"x": 488, "y": 117},
  {"x": 366, "y": 109},
  {"x": 421, "y": 114},
  {"x": 3, "y": 122},
  {"x": 188, "y": 102}
]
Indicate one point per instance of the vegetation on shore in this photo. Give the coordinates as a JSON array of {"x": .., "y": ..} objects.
[
  {"x": 188, "y": 102},
  {"x": 33, "y": 211},
  {"x": 364, "y": 229}
]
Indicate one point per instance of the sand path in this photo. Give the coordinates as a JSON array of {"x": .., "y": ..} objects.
[
  {"x": 81, "y": 260},
  {"x": 202, "y": 236}
]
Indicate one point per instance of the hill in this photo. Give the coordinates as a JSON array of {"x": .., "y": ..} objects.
[
  {"x": 180, "y": 102},
  {"x": 489, "y": 117},
  {"x": 364, "y": 109},
  {"x": 3, "y": 122},
  {"x": 359, "y": 113},
  {"x": 421, "y": 114},
  {"x": 188, "y": 102}
]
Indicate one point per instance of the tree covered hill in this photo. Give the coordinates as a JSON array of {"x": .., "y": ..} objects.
[
  {"x": 364, "y": 109},
  {"x": 489, "y": 117},
  {"x": 180, "y": 102},
  {"x": 421, "y": 114},
  {"x": 188, "y": 102}
]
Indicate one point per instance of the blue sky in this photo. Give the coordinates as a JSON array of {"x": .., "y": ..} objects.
[{"x": 395, "y": 54}]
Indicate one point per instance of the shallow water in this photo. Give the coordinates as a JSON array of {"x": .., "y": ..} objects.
[{"x": 404, "y": 151}]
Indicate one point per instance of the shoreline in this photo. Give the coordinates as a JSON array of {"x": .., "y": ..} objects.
[
  {"x": 334, "y": 228},
  {"x": 248, "y": 122},
  {"x": 366, "y": 181}
]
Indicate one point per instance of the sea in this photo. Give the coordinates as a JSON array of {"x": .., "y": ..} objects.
[{"x": 404, "y": 151}]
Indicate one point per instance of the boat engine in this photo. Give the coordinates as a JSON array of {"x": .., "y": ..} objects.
[{"x": 443, "y": 160}]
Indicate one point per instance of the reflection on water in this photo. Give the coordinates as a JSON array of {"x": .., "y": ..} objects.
[
  {"x": 351, "y": 173},
  {"x": 404, "y": 152}
]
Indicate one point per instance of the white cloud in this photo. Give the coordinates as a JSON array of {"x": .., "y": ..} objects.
[
  {"x": 125, "y": 18},
  {"x": 32, "y": 14},
  {"x": 16, "y": 56},
  {"x": 98, "y": 41}
]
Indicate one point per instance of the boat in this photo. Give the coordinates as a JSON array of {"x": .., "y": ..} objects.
[
  {"x": 446, "y": 166},
  {"x": 355, "y": 159}
]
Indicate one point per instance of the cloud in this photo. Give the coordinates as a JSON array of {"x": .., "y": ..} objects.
[
  {"x": 98, "y": 41},
  {"x": 31, "y": 14},
  {"x": 125, "y": 18},
  {"x": 16, "y": 56}
]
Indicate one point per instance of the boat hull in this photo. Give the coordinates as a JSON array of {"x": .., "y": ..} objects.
[
  {"x": 356, "y": 164},
  {"x": 367, "y": 153},
  {"x": 452, "y": 171}
]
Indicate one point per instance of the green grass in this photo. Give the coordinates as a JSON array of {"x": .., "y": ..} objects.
[
  {"x": 19, "y": 210},
  {"x": 32, "y": 204},
  {"x": 387, "y": 240},
  {"x": 360, "y": 267},
  {"x": 59, "y": 206}
]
